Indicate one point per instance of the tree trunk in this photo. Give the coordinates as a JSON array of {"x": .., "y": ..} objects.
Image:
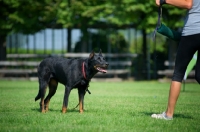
[
  {"x": 2, "y": 47},
  {"x": 84, "y": 43},
  {"x": 69, "y": 41},
  {"x": 144, "y": 50},
  {"x": 69, "y": 33}
]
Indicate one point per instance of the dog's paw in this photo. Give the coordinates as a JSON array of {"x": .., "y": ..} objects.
[
  {"x": 43, "y": 111},
  {"x": 64, "y": 110},
  {"x": 81, "y": 111}
]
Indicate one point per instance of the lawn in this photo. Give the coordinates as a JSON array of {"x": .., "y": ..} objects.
[{"x": 111, "y": 107}]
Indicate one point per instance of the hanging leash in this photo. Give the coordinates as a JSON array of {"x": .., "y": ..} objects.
[
  {"x": 76, "y": 106},
  {"x": 84, "y": 75},
  {"x": 157, "y": 26},
  {"x": 159, "y": 18},
  {"x": 87, "y": 90}
]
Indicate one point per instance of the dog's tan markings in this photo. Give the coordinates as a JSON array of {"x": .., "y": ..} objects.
[
  {"x": 47, "y": 106},
  {"x": 42, "y": 105},
  {"x": 53, "y": 82},
  {"x": 52, "y": 89},
  {"x": 64, "y": 109},
  {"x": 81, "y": 107},
  {"x": 45, "y": 72}
]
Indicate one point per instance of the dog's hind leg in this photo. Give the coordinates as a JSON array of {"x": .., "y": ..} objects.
[
  {"x": 81, "y": 94},
  {"x": 43, "y": 83},
  {"x": 52, "y": 90},
  {"x": 43, "y": 78},
  {"x": 65, "y": 100},
  {"x": 42, "y": 91}
]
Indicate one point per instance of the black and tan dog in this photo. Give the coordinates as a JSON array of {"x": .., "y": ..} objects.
[{"x": 72, "y": 73}]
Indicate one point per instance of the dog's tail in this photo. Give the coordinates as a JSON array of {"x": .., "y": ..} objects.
[
  {"x": 43, "y": 78},
  {"x": 42, "y": 90},
  {"x": 38, "y": 96}
]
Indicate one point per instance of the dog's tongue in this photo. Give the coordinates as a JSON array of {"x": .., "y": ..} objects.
[{"x": 101, "y": 70}]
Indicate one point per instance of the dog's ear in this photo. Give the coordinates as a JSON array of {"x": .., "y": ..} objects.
[
  {"x": 100, "y": 53},
  {"x": 91, "y": 55}
]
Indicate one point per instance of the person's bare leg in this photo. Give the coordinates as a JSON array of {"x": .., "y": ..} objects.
[
  {"x": 173, "y": 97},
  {"x": 174, "y": 92}
]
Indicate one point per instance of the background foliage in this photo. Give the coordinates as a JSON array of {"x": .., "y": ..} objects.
[
  {"x": 107, "y": 16},
  {"x": 34, "y": 15}
]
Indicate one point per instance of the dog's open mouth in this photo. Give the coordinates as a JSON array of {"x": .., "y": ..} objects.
[{"x": 100, "y": 69}]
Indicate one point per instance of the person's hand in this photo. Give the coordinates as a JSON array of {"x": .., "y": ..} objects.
[
  {"x": 160, "y": 2},
  {"x": 157, "y": 2}
]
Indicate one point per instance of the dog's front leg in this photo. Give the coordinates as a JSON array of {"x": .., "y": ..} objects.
[
  {"x": 81, "y": 94},
  {"x": 65, "y": 100}
]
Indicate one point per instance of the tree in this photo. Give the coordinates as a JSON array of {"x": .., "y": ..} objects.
[
  {"x": 129, "y": 13},
  {"x": 25, "y": 16},
  {"x": 30, "y": 16}
]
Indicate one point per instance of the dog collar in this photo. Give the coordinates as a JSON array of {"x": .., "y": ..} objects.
[{"x": 83, "y": 70}]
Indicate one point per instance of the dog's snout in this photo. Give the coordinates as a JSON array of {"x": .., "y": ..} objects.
[{"x": 107, "y": 64}]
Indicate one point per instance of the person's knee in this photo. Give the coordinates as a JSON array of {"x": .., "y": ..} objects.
[{"x": 177, "y": 77}]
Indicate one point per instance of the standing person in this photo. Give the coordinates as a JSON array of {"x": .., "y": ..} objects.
[{"x": 189, "y": 44}]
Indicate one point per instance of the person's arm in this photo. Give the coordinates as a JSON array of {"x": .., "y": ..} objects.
[{"x": 187, "y": 4}]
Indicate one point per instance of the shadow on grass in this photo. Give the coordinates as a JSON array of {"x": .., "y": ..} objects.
[
  {"x": 55, "y": 110},
  {"x": 182, "y": 116},
  {"x": 175, "y": 115}
]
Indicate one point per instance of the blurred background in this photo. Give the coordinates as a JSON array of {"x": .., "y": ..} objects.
[{"x": 31, "y": 30}]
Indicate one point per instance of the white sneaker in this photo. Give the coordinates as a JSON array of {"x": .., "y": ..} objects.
[{"x": 161, "y": 116}]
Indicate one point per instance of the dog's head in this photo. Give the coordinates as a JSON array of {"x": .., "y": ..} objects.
[{"x": 98, "y": 62}]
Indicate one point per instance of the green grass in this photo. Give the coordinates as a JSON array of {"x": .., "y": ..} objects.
[{"x": 112, "y": 107}]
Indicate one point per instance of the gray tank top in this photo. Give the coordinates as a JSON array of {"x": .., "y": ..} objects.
[{"x": 192, "y": 20}]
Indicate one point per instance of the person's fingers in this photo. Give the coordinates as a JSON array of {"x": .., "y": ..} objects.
[{"x": 158, "y": 2}]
